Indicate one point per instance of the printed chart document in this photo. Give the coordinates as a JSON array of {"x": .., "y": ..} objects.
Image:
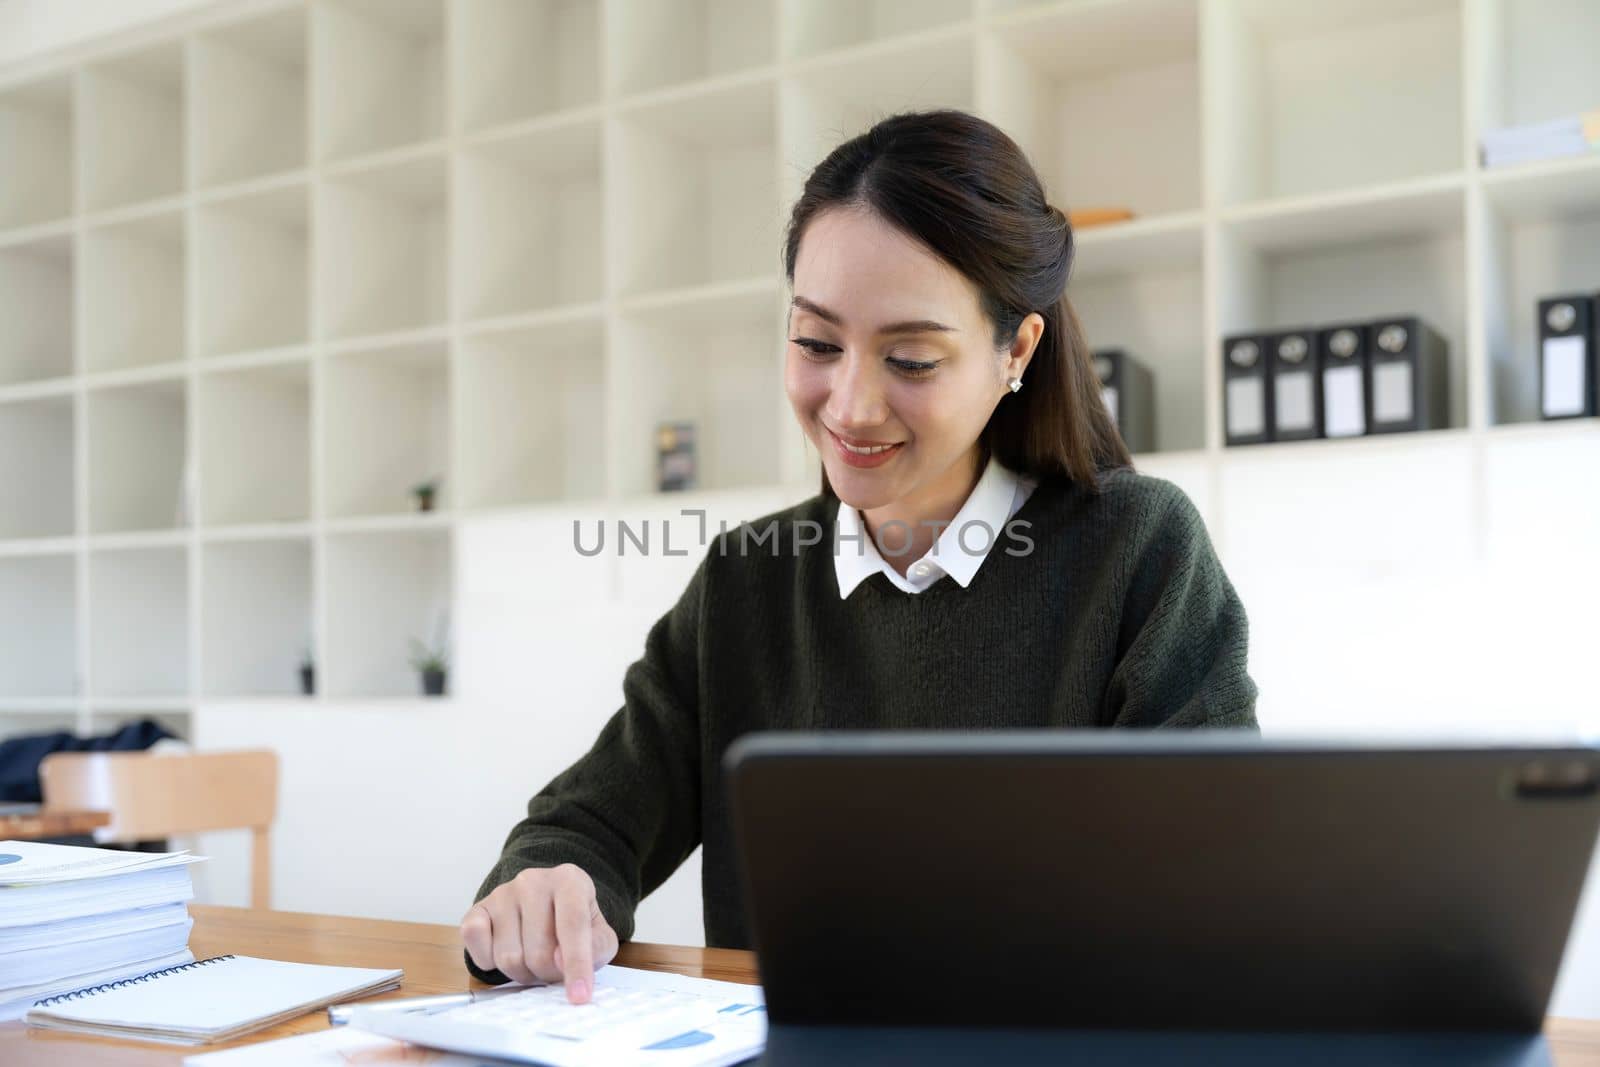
[
  {"x": 28, "y": 863},
  {"x": 647, "y": 1018}
]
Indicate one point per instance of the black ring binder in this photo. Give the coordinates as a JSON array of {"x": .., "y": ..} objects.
[{"x": 90, "y": 991}]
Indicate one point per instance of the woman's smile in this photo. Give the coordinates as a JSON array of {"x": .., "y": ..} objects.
[{"x": 859, "y": 452}]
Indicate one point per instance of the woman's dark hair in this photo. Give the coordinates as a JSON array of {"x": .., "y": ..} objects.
[{"x": 965, "y": 190}]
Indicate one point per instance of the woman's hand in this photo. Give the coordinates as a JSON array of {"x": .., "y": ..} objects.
[{"x": 542, "y": 926}]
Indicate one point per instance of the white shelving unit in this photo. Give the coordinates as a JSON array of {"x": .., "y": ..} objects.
[{"x": 265, "y": 272}]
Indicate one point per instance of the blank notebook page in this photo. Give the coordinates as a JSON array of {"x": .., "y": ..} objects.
[{"x": 219, "y": 994}]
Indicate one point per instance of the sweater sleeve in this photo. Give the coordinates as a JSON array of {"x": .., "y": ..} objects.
[
  {"x": 1183, "y": 643},
  {"x": 627, "y": 812}
]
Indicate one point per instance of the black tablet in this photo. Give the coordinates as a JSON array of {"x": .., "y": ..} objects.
[{"x": 1161, "y": 880}]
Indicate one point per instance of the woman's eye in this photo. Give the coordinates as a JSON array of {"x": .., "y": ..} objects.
[
  {"x": 819, "y": 348},
  {"x": 911, "y": 368}
]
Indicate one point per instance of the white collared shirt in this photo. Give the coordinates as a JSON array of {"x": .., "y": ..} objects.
[{"x": 991, "y": 504}]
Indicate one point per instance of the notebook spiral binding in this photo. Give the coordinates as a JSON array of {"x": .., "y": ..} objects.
[{"x": 108, "y": 986}]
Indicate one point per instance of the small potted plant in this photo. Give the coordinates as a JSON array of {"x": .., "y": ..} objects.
[
  {"x": 426, "y": 492},
  {"x": 433, "y": 664},
  {"x": 308, "y": 672}
]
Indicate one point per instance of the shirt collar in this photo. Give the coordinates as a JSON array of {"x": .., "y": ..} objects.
[{"x": 856, "y": 557}]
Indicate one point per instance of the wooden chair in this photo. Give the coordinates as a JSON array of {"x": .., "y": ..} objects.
[{"x": 156, "y": 795}]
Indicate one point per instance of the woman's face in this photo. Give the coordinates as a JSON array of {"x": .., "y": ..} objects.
[{"x": 889, "y": 350}]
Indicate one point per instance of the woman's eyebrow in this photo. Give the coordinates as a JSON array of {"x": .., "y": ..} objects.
[{"x": 909, "y": 326}]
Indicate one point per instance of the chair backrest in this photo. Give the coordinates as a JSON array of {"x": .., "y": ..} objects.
[{"x": 157, "y": 795}]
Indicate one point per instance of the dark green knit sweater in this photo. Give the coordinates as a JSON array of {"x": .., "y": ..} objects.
[{"x": 1120, "y": 615}]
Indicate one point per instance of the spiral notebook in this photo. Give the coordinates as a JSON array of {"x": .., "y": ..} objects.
[{"x": 215, "y": 999}]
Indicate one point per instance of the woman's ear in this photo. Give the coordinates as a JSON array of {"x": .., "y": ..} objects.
[{"x": 1029, "y": 331}]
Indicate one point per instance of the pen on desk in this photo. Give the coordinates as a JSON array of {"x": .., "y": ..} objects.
[{"x": 339, "y": 1014}]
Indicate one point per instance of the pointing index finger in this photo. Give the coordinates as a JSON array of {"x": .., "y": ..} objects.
[{"x": 576, "y": 940}]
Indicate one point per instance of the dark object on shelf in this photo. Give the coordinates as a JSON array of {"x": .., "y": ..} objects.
[
  {"x": 1128, "y": 390},
  {"x": 1569, "y": 357},
  {"x": 1296, "y": 398},
  {"x": 308, "y": 681},
  {"x": 1246, "y": 390},
  {"x": 20, "y": 756},
  {"x": 675, "y": 460},
  {"x": 1342, "y": 395},
  {"x": 1407, "y": 374},
  {"x": 433, "y": 682},
  {"x": 425, "y": 494}
]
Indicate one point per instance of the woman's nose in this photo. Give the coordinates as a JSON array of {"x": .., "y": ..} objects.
[{"x": 856, "y": 394}]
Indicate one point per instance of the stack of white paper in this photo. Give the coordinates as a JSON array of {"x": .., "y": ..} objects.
[
  {"x": 1572, "y": 135},
  {"x": 76, "y": 917}
]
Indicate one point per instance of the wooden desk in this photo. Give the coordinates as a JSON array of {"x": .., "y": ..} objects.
[
  {"x": 32, "y": 825},
  {"x": 431, "y": 957}
]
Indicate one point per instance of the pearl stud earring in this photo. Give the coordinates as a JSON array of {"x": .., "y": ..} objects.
[{"x": 1014, "y": 383}]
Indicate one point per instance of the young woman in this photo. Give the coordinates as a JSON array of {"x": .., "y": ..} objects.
[{"x": 981, "y": 555}]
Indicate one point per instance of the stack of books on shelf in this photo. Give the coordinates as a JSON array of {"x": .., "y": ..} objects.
[
  {"x": 1571, "y": 135},
  {"x": 71, "y": 918}
]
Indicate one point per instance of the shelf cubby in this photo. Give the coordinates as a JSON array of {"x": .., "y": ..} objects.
[
  {"x": 378, "y": 75},
  {"x": 1542, "y": 233},
  {"x": 1538, "y": 61},
  {"x": 37, "y": 450},
  {"x": 36, "y": 141},
  {"x": 248, "y": 110},
  {"x": 696, "y": 200},
  {"x": 1305, "y": 271},
  {"x": 538, "y": 428},
  {"x": 520, "y": 59},
  {"x": 654, "y": 44},
  {"x": 388, "y": 428},
  {"x": 1311, "y": 98},
  {"x": 528, "y": 230},
  {"x": 252, "y": 272},
  {"x": 1150, "y": 302},
  {"x": 814, "y": 27},
  {"x": 133, "y": 285},
  {"x": 1105, "y": 99},
  {"x": 383, "y": 250},
  {"x": 131, "y": 128},
  {"x": 138, "y": 449},
  {"x": 39, "y": 634},
  {"x": 255, "y": 616},
  {"x": 139, "y": 622},
  {"x": 255, "y": 445},
  {"x": 36, "y": 306},
  {"x": 384, "y": 590},
  {"x": 834, "y": 98},
  {"x": 705, "y": 360}
]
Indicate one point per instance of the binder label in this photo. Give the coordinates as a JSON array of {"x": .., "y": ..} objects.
[
  {"x": 1296, "y": 410},
  {"x": 1246, "y": 416},
  {"x": 1343, "y": 413},
  {"x": 1391, "y": 392},
  {"x": 1564, "y": 392},
  {"x": 1109, "y": 395}
]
